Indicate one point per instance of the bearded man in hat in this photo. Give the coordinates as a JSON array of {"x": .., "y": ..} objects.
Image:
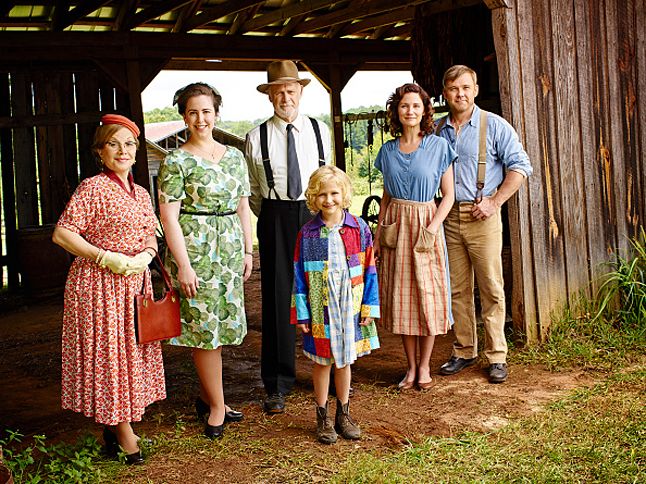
[{"x": 281, "y": 154}]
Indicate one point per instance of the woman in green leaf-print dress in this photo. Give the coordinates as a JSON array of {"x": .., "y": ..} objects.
[{"x": 203, "y": 196}]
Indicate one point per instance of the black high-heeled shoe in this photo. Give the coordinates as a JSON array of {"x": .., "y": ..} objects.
[
  {"x": 202, "y": 409},
  {"x": 213, "y": 431},
  {"x": 113, "y": 448},
  {"x": 111, "y": 443}
]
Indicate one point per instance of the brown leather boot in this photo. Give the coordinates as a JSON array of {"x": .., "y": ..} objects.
[
  {"x": 344, "y": 424},
  {"x": 324, "y": 431}
]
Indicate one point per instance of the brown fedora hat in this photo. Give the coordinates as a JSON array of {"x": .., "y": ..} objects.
[{"x": 282, "y": 72}]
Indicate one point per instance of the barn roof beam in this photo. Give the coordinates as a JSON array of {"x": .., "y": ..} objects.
[
  {"x": 222, "y": 10},
  {"x": 154, "y": 11},
  {"x": 294, "y": 10},
  {"x": 354, "y": 11},
  {"x": 83, "y": 9},
  {"x": 53, "y": 46}
]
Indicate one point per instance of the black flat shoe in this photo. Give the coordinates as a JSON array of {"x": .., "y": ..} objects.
[
  {"x": 134, "y": 459},
  {"x": 112, "y": 448},
  {"x": 213, "y": 431},
  {"x": 231, "y": 416},
  {"x": 203, "y": 410},
  {"x": 455, "y": 365}
]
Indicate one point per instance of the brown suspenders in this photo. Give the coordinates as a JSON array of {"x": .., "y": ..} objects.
[{"x": 482, "y": 152}]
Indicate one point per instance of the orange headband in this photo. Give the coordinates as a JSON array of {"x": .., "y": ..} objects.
[{"x": 121, "y": 120}]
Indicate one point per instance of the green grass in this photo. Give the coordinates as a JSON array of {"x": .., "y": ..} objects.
[{"x": 594, "y": 435}]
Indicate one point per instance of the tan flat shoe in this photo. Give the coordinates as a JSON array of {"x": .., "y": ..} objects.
[
  {"x": 405, "y": 385},
  {"x": 425, "y": 385}
]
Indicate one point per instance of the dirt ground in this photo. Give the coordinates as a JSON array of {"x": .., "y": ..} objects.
[{"x": 30, "y": 392}]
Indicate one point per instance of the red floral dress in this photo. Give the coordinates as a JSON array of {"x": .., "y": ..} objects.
[{"x": 106, "y": 374}]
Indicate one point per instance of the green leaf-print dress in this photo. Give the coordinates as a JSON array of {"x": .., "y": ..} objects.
[{"x": 215, "y": 244}]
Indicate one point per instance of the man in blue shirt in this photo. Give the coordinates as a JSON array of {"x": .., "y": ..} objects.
[{"x": 473, "y": 228}]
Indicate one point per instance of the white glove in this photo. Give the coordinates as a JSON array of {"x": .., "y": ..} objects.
[
  {"x": 116, "y": 262},
  {"x": 138, "y": 263}
]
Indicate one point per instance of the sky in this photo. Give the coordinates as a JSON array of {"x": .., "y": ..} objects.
[{"x": 241, "y": 101}]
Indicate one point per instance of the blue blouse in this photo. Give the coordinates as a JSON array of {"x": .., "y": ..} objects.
[{"x": 415, "y": 176}]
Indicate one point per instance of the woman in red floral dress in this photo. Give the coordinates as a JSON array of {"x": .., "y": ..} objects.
[{"x": 109, "y": 225}]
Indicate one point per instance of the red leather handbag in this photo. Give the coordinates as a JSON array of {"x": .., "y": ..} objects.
[{"x": 157, "y": 320}]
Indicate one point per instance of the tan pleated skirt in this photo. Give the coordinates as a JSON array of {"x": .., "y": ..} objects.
[{"x": 414, "y": 284}]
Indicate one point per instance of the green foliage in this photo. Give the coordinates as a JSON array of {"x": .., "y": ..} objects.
[
  {"x": 622, "y": 296},
  {"x": 159, "y": 115},
  {"x": 239, "y": 128},
  {"x": 42, "y": 462}
]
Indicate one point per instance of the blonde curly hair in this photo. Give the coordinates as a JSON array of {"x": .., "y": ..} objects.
[{"x": 323, "y": 175}]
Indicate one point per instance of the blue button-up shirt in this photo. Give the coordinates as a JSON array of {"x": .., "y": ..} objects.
[
  {"x": 503, "y": 151},
  {"x": 414, "y": 176}
]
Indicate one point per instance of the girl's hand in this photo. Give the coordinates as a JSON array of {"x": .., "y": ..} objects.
[
  {"x": 188, "y": 282},
  {"x": 305, "y": 328},
  {"x": 366, "y": 321},
  {"x": 376, "y": 248},
  {"x": 248, "y": 266}
]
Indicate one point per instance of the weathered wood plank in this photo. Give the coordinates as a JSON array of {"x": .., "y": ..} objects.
[
  {"x": 640, "y": 142},
  {"x": 140, "y": 170},
  {"x": 508, "y": 58},
  {"x": 626, "y": 29},
  {"x": 87, "y": 101},
  {"x": 592, "y": 172},
  {"x": 21, "y": 121},
  {"x": 548, "y": 236},
  {"x": 56, "y": 151},
  {"x": 618, "y": 168},
  {"x": 8, "y": 194},
  {"x": 24, "y": 155},
  {"x": 568, "y": 143},
  {"x": 70, "y": 148},
  {"x": 107, "y": 96},
  {"x": 43, "y": 144}
]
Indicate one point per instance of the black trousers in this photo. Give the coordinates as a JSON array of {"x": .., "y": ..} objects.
[{"x": 278, "y": 226}]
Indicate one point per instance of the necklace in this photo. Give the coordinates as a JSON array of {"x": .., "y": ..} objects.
[{"x": 209, "y": 156}]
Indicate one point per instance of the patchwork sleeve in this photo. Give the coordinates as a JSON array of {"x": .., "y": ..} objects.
[
  {"x": 370, "y": 301},
  {"x": 300, "y": 310}
]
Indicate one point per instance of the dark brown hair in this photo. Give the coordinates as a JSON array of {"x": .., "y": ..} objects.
[
  {"x": 196, "y": 89},
  {"x": 392, "y": 116}
]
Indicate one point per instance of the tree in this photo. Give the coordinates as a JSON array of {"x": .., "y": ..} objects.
[{"x": 159, "y": 115}]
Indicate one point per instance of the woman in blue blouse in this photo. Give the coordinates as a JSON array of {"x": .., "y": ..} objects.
[{"x": 413, "y": 267}]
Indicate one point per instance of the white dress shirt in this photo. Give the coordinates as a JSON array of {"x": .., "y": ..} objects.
[{"x": 306, "y": 149}]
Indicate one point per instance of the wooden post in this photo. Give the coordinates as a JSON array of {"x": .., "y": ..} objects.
[
  {"x": 334, "y": 76},
  {"x": 140, "y": 170},
  {"x": 336, "y": 87}
]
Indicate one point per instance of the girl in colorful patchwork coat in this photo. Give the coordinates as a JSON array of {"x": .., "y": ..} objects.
[{"x": 335, "y": 296}]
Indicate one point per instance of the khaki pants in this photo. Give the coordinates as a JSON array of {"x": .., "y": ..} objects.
[{"x": 475, "y": 246}]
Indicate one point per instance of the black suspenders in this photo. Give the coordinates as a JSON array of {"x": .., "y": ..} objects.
[{"x": 264, "y": 151}]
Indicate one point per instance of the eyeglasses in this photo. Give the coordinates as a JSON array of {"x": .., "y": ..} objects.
[{"x": 127, "y": 146}]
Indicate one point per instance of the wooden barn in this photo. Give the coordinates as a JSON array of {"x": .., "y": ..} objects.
[{"x": 570, "y": 76}]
